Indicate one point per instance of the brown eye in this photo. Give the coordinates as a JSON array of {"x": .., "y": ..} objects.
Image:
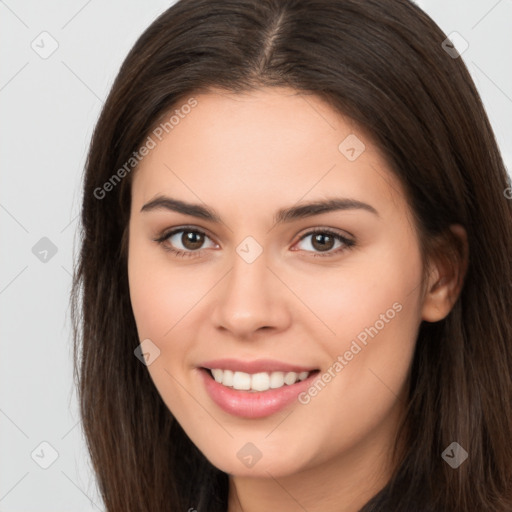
[
  {"x": 184, "y": 242},
  {"x": 323, "y": 241},
  {"x": 192, "y": 240}
]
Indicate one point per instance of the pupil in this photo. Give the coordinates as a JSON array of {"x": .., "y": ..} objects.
[
  {"x": 192, "y": 240},
  {"x": 320, "y": 240}
]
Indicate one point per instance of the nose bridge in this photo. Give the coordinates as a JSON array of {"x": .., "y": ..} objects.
[{"x": 250, "y": 297}]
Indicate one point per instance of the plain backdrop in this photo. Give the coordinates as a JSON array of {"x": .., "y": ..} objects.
[{"x": 59, "y": 59}]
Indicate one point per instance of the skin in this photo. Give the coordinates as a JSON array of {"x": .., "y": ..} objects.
[{"x": 246, "y": 156}]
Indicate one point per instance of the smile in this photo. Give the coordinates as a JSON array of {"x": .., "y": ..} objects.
[
  {"x": 262, "y": 381},
  {"x": 254, "y": 389}
]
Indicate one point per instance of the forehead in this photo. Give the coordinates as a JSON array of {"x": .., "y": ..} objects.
[{"x": 275, "y": 145}]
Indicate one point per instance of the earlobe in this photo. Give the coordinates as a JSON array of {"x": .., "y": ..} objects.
[{"x": 446, "y": 275}]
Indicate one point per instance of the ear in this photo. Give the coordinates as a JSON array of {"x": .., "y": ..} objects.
[{"x": 446, "y": 277}]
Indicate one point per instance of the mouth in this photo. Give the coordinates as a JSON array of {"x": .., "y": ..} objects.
[
  {"x": 256, "y": 382},
  {"x": 254, "y": 395}
]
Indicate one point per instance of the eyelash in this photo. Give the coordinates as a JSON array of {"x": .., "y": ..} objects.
[{"x": 348, "y": 244}]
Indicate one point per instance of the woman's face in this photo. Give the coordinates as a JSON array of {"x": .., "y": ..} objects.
[{"x": 264, "y": 279}]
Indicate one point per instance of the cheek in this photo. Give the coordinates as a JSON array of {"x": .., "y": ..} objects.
[
  {"x": 353, "y": 295},
  {"x": 367, "y": 380},
  {"x": 161, "y": 296},
  {"x": 376, "y": 330},
  {"x": 160, "y": 293}
]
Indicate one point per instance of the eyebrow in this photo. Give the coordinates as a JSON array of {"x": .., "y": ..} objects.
[{"x": 284, "y": 215}]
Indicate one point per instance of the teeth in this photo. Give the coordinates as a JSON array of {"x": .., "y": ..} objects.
[
  {"x": 241, "y": 380},
  {"x": 258, "y": 381},
  {"x": 276, "y": 380}
]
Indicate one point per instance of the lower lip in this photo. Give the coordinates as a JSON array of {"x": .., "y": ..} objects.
[{"x": 259, "y": 404}]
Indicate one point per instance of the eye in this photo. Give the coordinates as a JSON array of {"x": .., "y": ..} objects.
[
  {"x": 191, "y": 241},
  {"x": 323, "y": 240}
]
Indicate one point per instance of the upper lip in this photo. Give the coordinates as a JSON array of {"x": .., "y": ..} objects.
[{"x": 256, "y": 366}]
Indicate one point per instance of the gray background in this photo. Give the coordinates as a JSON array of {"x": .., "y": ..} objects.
[{"x": 49, "y": 105}]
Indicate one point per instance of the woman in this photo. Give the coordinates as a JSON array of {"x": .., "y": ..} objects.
[{"x": 293, "y": 290}]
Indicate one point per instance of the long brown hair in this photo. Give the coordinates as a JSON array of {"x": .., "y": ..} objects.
[{"x": 381, "y": 63}]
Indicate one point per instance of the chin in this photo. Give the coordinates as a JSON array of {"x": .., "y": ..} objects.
[{"x": 254, "y": 460}]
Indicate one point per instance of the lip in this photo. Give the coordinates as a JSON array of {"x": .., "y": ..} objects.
[
  {"x": 252, "y": 405},
  {"x": 257, "y": 366}
]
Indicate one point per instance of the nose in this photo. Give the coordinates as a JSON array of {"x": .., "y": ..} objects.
[{"x": 251, "y": 299}]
